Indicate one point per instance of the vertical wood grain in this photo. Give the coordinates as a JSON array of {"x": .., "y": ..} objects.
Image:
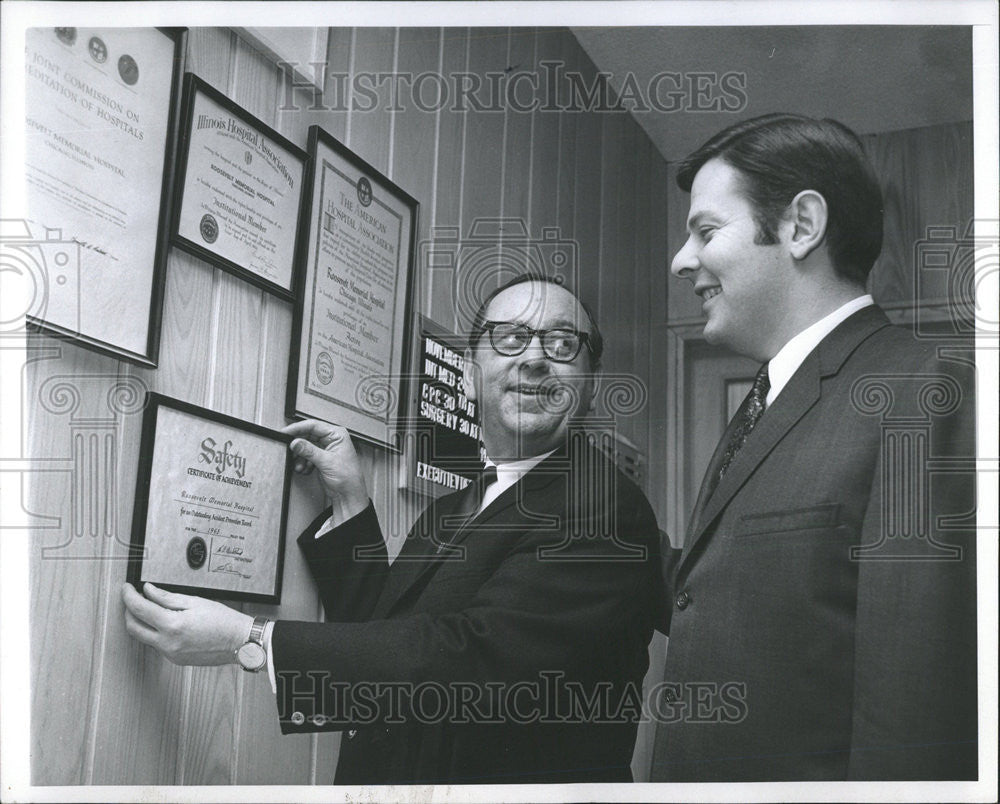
[
  {"x": 143, "y": 697},
  {"x": 65, "y": 565},
  {"x": 483, "y": 169},
  {"x": 224, "y": 344},
  {"x": 519, "y": 155},
  {"x": 612, "y": 267},
  {"x": 569, "y": 56},
  {"x": 587, "y": 191},
  {"x": 544, "y": 201},
  {"x": 415, "y": 151},
  {"x": 451, "y": 137},
  {"x": 623, "y": 348},
  {"x": 213, "y": 707},
  {"x": 370, "y": 115}
]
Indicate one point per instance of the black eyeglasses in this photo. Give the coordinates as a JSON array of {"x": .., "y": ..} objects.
[{"x": 560, "y": 344}]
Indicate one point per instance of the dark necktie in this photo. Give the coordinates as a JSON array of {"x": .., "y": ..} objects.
[
  {"x": 468, "y": 507},
  {"x": 747, "y": 417}
]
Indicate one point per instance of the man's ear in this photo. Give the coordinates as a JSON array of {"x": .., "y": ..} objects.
[
  {"x": 595, "y": 386},
  {"x": 470, "y": 372},
  {"x": 807, "y": 215}
]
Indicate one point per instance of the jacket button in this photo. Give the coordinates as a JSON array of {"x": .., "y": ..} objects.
[
  {"x": 683, "y": 600},
  {"x": 352, "y": 734},
  {"x": 298, "y": 718},
  {"x": 318, "y": 720}
]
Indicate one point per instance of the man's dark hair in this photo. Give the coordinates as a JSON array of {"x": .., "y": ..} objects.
[
  {"x": 595, "y": 340},
  {"x": 780, "y": 155}
]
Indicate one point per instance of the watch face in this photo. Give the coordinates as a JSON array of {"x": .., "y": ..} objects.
[{"x": 251, "y": 656}]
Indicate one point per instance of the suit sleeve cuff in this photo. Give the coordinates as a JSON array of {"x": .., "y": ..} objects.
[{"x": 268, "y": 630}]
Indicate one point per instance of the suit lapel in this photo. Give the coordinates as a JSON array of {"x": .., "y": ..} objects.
[
  {"x": 798, "y": 396},
  {"x": 420, "y": 548},
  {"x": 441, "y": 523},
  {"x": 708, "y": 481}
]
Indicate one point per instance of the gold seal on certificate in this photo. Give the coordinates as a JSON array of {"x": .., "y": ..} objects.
[
  {"x": 210, "y": 504},
  {"x": 240, "y": 192}
]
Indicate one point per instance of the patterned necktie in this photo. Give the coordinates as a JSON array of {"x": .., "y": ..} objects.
[{"x": 747, "y": 417}]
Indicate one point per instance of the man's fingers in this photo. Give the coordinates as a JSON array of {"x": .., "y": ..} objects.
[
  {"x": 139, "y": 630},
  {"x": 316, "y": 431},
  {"x": 305, "y": 450},
  {"x": 169, "y": 600},
  {"x": 144, "y": 610}
]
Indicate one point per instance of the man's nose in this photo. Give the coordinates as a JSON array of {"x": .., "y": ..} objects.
[
  {"x": 534, "y": 354},
  {"x": 685, "y": 261}
]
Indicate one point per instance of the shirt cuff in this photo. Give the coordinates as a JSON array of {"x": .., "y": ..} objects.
[
  {"x": 325, "y": 528},
  {"x": 268, "y": 629}
]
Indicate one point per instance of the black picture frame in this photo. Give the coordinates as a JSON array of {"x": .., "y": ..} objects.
[
  {"x": 152, "y": 418},
  {"x": 377, "y": 402},
  {"x": 36, "y": 321},
  {"x": 195, "y": 86}
]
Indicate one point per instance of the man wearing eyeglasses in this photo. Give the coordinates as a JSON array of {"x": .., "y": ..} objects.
[{"x": 507, "y": 641}]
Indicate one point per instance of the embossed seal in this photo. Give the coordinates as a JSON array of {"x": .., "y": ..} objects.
[
  {"x": 197, "y": 552},
  {"x": 98, "y": 50},
  {"x": 364, "y": 191},
  {"x": 128, "y": 70},
  {"x": 209, "y": 228},
  {"x": 324, "y": 368}
]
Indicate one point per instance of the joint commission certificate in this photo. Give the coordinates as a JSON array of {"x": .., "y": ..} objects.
[{"x": 98, "y": 111}]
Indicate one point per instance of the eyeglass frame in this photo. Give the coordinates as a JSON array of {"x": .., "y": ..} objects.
[{"x": 490, "y": 327}]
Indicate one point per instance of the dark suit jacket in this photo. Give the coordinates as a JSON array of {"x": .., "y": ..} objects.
[
  {"x": 812, "y": 660},
  {"x": 540, "y": 606}
]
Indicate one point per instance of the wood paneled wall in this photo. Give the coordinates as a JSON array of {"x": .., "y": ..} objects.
[{"x": 105, "y": 710}]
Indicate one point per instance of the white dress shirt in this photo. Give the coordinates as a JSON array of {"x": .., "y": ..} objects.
[
  {"x": 784, "y": 364},
  {"x": 507, "y": 475}
]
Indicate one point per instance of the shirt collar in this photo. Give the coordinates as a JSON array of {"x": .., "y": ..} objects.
[
  {"x": 784, "y": 364},
  {"x": 510, "y": 472}
]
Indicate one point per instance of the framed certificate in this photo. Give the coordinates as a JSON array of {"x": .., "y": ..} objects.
[
  {"x": 240, "y": 191},
  {"x": 210, "y": 504},
  {"x": 351, "y": 328},
  {"x": 102, "y": 114}
]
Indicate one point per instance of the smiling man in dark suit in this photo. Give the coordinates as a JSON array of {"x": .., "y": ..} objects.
[
  {"x": 507, "y": 641},
  {"x": 820, "y": 576}
]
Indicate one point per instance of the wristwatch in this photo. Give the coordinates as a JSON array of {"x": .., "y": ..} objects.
[{"x": 251, "y": 654}]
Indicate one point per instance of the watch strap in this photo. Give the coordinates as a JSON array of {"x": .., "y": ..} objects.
[{"x": 257, "y": 630}]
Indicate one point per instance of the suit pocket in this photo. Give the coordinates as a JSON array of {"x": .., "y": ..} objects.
[{"x": 791, "y": 520}]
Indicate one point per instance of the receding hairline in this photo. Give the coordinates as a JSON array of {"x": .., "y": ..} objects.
[{"x": 583, "y": 317}]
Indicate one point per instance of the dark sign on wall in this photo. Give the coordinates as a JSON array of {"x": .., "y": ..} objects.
[{"x": 443, "y": 444}]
